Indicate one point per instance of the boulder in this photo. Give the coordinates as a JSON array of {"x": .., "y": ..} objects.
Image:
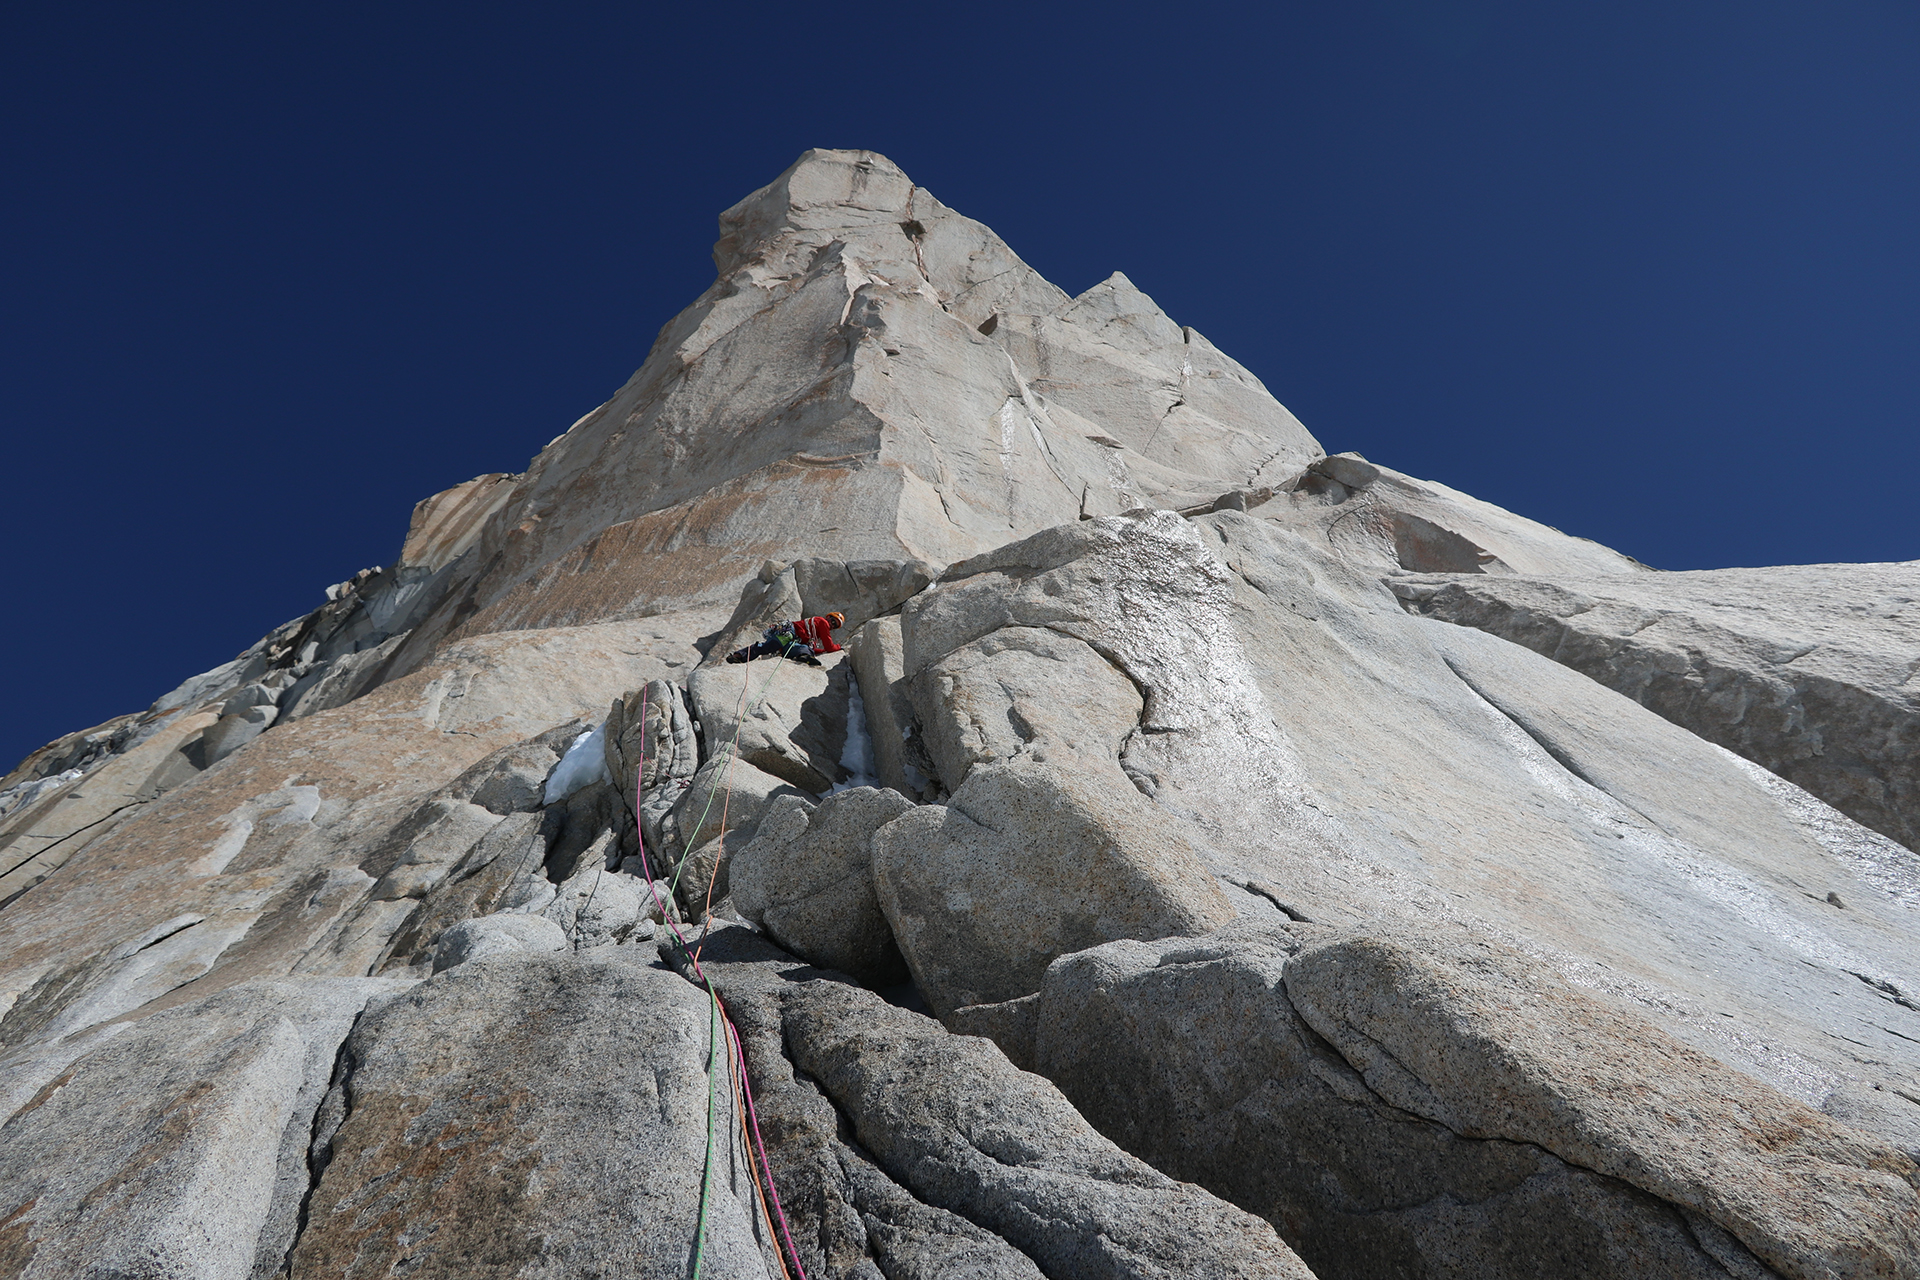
[
  {"x": 706, "y": 875},
  {"x": 725, "y": 795},
  {"x": 1482, "y": 1042},
  {"x": 511, "y": 780},
  {"x": 496, "y": 935},
  {"x": 1151, "y": 606},
  {"x": 650, "y": 743},
  {"x": 1025, "y": 863},
  {"x": 781, "y": 717},
  {"x": 531, "y": 1109},
  {"x": 953, "y": 1120},
  {"x": 843, "y": 1211},
  {"x": 1424, "y": 1105},
  {"x": 598, "y": 905},
  {"x": 1349, "y": 469},
  {"x": 1025, "y": 693},
  {"x": 807, "y": 878}
]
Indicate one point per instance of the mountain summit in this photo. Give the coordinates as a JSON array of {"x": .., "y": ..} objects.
[{"x": 871, "y": 375}]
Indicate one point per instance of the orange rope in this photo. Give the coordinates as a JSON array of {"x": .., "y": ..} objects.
[{"x": 736, "y": 1065}]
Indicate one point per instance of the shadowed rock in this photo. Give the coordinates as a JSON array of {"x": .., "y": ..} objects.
[{"x": 1421, "y": 1105}]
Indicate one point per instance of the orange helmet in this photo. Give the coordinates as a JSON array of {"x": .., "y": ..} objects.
[{"x": 836, "y": 619}]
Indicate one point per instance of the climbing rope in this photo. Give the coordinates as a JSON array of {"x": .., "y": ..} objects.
[
  {"x": 720, "y": 1030},
  {"x": 713, "y": 1097},
  {"x": 741, "y": 1089},
  {"x": 733, "y": 753}
]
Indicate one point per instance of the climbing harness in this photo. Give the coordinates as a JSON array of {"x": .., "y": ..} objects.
[{"x": 722, "y": 1035}]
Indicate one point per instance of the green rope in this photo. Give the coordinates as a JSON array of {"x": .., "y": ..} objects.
[
  {"x": 713, "y": 1094},
  {"x": 733, "y": 752},
  {"x": 713, "y": 1000}
]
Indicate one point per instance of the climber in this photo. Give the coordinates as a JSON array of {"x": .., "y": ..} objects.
[{"x": 802, "y": 640}]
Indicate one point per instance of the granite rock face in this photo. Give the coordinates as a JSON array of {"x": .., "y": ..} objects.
[
  {"x": 949, "y": 1117},
  {"x": 1806, "y": 670},
  {"x": 846, "y": 1217},
  {"x": 871, "y": 377},
  {"x": 473, "y": 923},
  {"x": 1375, "y": 515},
  {"x": 530, "y": 1115},
  {"x": 176, "y": 1145},
  {"x": 1450, "y": 1107}
]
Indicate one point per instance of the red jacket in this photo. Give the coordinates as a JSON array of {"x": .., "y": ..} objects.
[{"x": 816, "y": 634}]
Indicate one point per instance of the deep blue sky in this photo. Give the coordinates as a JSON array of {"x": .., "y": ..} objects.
[{"x": 1646, "y": 271}]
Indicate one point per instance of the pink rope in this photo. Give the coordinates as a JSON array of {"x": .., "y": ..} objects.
[
  {"x": 753, "y": 1118},
  {"x": 733, "y": 1033}
]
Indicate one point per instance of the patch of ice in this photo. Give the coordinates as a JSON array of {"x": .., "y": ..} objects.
[
  {"x": 584, "y": 764},
  {"x": 857, "y": 756}
]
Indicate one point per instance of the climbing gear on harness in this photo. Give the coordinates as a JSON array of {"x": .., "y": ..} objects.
[{"x": 784, "y": 640}]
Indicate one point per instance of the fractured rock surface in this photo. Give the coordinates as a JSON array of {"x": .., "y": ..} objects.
[
  {"x": 1449, "y": 1107},
  {"x": 529, "y": 1115},
  {"x": 807, "y": 878},
  {"x": 951, "y": 1120},
  {"x": 1806, "y": 670},
  {"x": 176, "y": 1145},
  {"x": 1270, "y": 915}
]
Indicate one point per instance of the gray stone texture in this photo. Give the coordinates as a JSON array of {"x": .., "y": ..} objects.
[
  {"x": 1439, "y": 1106},
  {"x": 877, "y": 655},
  {"x": 531, "y": 1115},
  {"x": 715, "y": 817},
  {"x": 496, "y": 935},
  {"x": 782, "y": 717},
  {"x": 1373, "y": 515},
  {"x": 1588, "y": 993},
  {"x": 949, "y": 1117},
  {"x": 174, "y": 1146},
  {"x": 844, "y": 1213},
  {"x": 1806, "y": 670},
  {"x": 871, "y": 377},
  {"x": 807, "y": 878},
  {"x": 1027, "y": 862},
  {"x": 652, "y": 752}
]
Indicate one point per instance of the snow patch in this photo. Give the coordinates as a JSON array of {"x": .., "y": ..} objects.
[
  {"x": 584, "y": 764},
  {"x": 19, "y": 797}
]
